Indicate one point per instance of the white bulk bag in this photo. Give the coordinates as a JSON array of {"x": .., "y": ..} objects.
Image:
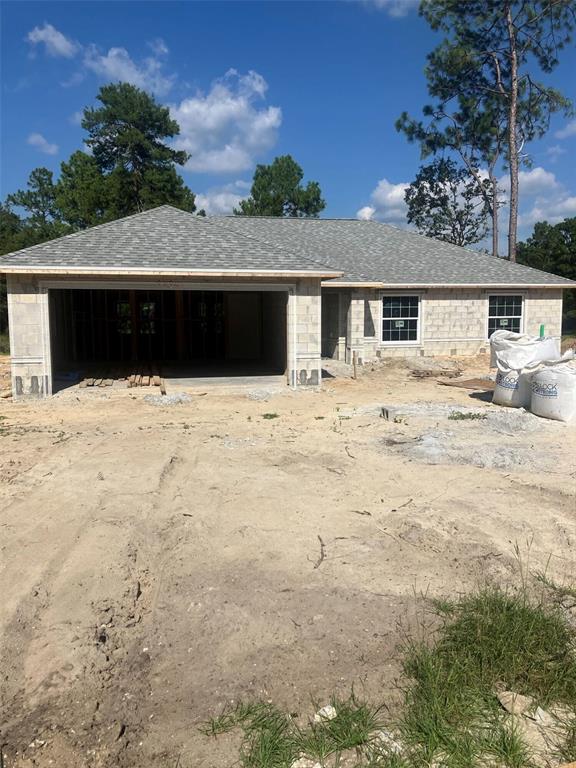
[
  {"x": 513, "y": 388},
  {"x": 518, "y": 350},
  {"x": 554, "y": 391}
]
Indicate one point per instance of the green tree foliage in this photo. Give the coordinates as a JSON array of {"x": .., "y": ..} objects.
[
  {"x": 10, "y": 230},
  {"x": 483, "y": 76},
  {"x": 445, "y": 203},
  {"x": 127, "y": 137},
  {"x": 82, "y": 196},
  {"x": 277, "y": 190},
  {"x": 131, "y": 168},
  {"x": 552, "y": 247},
  {"x": 39, "y": 202}
]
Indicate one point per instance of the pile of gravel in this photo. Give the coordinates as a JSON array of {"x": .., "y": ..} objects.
[{"x": 177, "y": 398}]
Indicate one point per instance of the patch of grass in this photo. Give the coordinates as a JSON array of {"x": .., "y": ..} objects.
[
  {"x": 561, "y": 591},
  {"x": 270, "y": 416},
  {"x": 451, "y": 716},
  {"x": 354, "y": 725},
  {"x": 465, "y": 416},
  {"x": 271, "y": 739},
  {"x": 488, "y": 639},
  {"x": 567, "y": 750}
]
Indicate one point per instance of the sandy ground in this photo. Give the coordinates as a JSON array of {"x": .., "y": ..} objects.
[{"x": 159, "y": 561}]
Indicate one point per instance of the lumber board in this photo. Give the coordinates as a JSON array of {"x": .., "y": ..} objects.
[{"x": 145, "y": 381}]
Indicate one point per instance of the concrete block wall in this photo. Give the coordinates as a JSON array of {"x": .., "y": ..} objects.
[
  {"x": 452, "y": 321},
  {"x": 543, "y": 306},
  {"x": 29, "y": 343},
  {"x": 304, "y": 334},
  {"x": 355, "y": 325}
]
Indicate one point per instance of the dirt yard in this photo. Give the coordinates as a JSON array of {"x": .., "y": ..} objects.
[{"x": 159, "y": 561}]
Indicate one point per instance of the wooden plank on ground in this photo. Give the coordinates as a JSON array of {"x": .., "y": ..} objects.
[
  {"x": 156, "y": 380},
  {"x": 132, "y": 380},
  {"x": 138, "y": 381},
  {"x": 83, "y": 383},
  {"x": 89, "y": 382},
  {"x": 97, "y": 382},
  {"x": 107, "y": 382},
  {"x": 482, "y": 384},
  {"x": 145, "y": 381}
]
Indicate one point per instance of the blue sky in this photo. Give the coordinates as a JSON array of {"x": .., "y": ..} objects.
[{"x": 323, "y": 81}]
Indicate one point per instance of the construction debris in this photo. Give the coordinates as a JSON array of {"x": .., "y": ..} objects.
[
  {"x": 422, "y": 367},
  {"x": 144, "y": 376},
  {"x": 325, "y": 713}
]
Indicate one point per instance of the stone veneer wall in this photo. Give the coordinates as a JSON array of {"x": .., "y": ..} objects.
[
  {"x": 28, "y": 316},
  {"x": 452, "y": 321}
]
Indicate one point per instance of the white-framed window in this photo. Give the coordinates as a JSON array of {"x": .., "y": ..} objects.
[
  {"x": 401, "y": 319},
  {"x": 505, "y": 312}
]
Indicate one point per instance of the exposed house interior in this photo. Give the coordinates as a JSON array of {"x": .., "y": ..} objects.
[{"x": 178, "y": 332}]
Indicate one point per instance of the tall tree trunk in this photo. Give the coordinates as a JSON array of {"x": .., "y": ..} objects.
[
  {"x": 512, "y": 136},
  {"x": 494, "y": 212}
]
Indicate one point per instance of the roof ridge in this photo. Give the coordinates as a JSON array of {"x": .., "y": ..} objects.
[
  {"x": 302, "y": 252},
  {"x": 272, "y": 245}
]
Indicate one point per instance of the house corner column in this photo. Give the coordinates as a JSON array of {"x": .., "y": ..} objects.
[
  {"x": 304, "y": 332},
  {"x": 28, "y": 320}
]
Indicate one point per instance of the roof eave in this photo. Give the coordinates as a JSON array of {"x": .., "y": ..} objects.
[
  {"x": 141, "y": 272},
  {"x": 421, "y": 286}
]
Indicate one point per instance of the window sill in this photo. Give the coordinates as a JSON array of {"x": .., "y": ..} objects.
[{"x": 400, "y": 344}]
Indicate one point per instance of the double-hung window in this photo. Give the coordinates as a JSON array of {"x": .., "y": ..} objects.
[
  {"x": 504, "y": 312},
  {"x": 400, "y": 319}
]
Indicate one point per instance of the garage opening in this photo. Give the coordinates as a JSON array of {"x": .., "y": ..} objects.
[{"x": 178, "y": 334}]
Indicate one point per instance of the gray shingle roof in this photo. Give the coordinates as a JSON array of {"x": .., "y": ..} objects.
[
  {"x": 163, "y": 239},
  {"x": 166, "y": 239},
  {"x": 369, "y": 251}
]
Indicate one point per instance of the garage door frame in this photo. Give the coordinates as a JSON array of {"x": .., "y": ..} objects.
[{"x": 186, "y": 285}]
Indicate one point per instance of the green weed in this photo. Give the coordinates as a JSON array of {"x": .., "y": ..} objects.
[{"x": 462, "y": 416}]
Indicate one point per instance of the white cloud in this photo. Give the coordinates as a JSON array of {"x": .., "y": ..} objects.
[
  {"x": 548, "y": 200},
  {"x": 118, "y": 65},
  {"x": 554, "y": 152},
  {"x": 56, "y": 43},
  {"x": 158, "y": 47},
  {"x": 394, "y": 8},
  {"x": 225, "y": 130},
  {"x": 366, "y": 213},
  {"x": 552, "y": 211},
  {"x": 532, "y": 183},
  {"x": 76, "y": 117},
  {"x": 38, "y": 141},
  {"x": 222, "y": 200},
  {"x": 386, "y": 203},
  {"x": 568, "y": 130}
]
